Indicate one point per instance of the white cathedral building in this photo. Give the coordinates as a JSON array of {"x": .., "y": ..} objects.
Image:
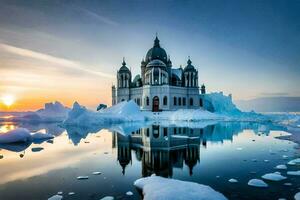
[{"x": 160, "y": 86}]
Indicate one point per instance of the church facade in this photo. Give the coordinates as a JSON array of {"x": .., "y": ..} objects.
[{"x": 160, "y": 86}]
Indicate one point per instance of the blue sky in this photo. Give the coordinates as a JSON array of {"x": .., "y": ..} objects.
[{"x": 247, "y": 48}]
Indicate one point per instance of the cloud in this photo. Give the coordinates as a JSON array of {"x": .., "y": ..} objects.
[
  {"x": 68, "y": 64},
  {"x": 274, "y": 94},
  {"x": 97, "y": 17}
]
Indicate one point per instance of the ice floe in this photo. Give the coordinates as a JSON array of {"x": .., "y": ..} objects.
[
  {"x": 294, "y": 173},
  {"x": 56, "y": 197},
  {"x": 257, "y": 183},
  {"x": 156, "y": 187},
  {"x": 129, "y": 193},
  {"x": 297, "y": 196},
  {"x": 283, "y": 167},
  {"x": 276, "y": 176},
  {"x": 82, "y": 177},
  {"x": 108, "y": 198},
  {"x": 17, "y": 135},
  {"x": 294, "y": 162},
  {"x": 232, "y": 180}
]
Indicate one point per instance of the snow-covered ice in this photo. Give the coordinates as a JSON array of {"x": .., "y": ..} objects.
[
  {"x": 121, "y": 112},
  {"x": 276, "y": 176},
  {"x": 129, "y": 193},
  {"x": 108, "y": 198},
  {"x": 56, "y": 197},
  {"x": 232, "y": 180},
  {"x": 283, "y": 167},
  {"x": 17, "y": 135},
  {"x": 294, "y": 173},
  {"x": 297, "y": 196},
  {"x": 156, "y": 187},
  {"x": 257, "y": 183},
  {"x": 82, "y": 177},
  {"x": 294, "y": 162}
]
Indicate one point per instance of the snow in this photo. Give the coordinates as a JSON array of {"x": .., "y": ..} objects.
[
  {"x": 121, "y": 112},
  {"x": 232, "y": 180},
  {"x": 276, "y": 176},
  {"x": 257, "y": 183},
  {"x": 17, "y": 135},
  {"x": 283, "y": 167},
  {"x": 55, "y": 197},
  {"x": 297, "y": 196},
  {"x": 156, "y": 187},
  {"x": 294, "y": 162},
  {"x": 294, "y": 173}
]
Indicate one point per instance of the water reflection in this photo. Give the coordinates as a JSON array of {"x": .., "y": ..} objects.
[{"x": 161, "y": 148}]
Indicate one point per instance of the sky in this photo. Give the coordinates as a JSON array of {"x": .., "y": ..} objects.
[{"x": 71, "y": 50}]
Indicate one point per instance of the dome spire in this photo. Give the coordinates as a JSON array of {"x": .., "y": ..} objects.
[
  {"x": 123, "y": 63},
  {"x": 156, "y": 41},
  {"x": 189, "y": 61}
]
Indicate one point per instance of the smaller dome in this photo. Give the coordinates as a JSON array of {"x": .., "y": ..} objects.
[
  {"x": 156, "y": 63},
  {"x": 124, "y": 68},
  {"x": 189, "y": 67}
]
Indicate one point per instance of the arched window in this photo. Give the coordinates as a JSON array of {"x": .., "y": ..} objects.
[
  {"x": 183, "y": 101},
  {"x": 201, "y": 103},
  {"x": 179, "y": 101},
  {"x": 191, "y": 102},
  {"x": 175, "y": 101},
  {"x": 147, "y": 101},
  {"x": 165, "y": 101}
]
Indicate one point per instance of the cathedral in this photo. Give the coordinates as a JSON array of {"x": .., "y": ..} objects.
[{"x": 160, "y": 86}]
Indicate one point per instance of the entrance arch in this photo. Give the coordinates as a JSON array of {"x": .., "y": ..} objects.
[{"x": 155, "y": 104}]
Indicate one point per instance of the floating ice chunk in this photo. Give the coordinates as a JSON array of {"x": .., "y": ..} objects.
[
  {"x": 281, "y": 199},
  {"x": 60, "y": 193},
  {"x": 17, "y": 135},
  {"x": 232, "y": 180},
  {"x": 156, "y": 187},
  {"x": 108, "y": 198},
  {"x": 56, "y": 197},
  {"x": 41, "y": 136},
  {"x": 283, "y": 167},
  {"x": 37, "y": 149},
  {"x": 273, "y": 176},
  {"x": 257, "y": 183},
  {"x": 294, "y": 162},
  {"x": 287, "y": 184},
  {"x": 71, "y": 193},
  {"x": 82, "y": 177},
  {"x": 294, "y": 173},
  {"x": 284, "y": 156},
  {"x": 297, "y": 196},
  {"x": 96, "y": 173},
  {"x": 129, "y": 193},
  {"x": 266, "y": 161}
]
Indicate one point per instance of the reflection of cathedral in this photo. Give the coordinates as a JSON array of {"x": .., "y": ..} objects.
[{"x": 160, "y": 149}]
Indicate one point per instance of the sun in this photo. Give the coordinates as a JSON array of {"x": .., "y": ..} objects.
[{"x": 8, "y": 100}]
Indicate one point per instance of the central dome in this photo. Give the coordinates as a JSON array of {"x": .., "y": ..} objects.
[{"x": 156, "y": 52}]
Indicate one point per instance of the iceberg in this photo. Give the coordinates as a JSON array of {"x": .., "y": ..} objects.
[
  {"x": 14, "y": 136},
  {"x": 257, "y": 183},
  {"x": 156, "y": 187},
  {"x": 121, "y": 112}
]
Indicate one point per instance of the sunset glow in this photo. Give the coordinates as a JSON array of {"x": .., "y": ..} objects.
[{"x": 8, "y": 100}]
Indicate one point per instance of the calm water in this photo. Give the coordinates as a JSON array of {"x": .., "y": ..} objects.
[{"x": 206, "y": 153}]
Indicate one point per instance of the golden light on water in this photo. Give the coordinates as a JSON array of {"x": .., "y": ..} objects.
[{"x": 8, "y": 100}]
